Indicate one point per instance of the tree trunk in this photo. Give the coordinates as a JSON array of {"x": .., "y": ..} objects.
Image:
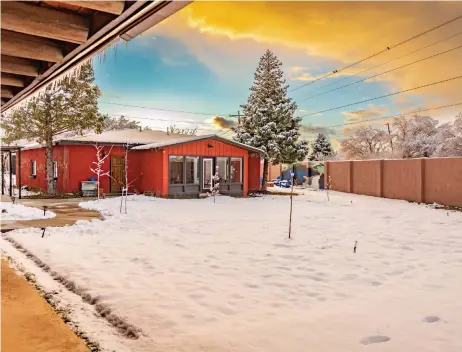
[
  {"x": 51, "y": 189},
  {"x": 264, "y": 182}
]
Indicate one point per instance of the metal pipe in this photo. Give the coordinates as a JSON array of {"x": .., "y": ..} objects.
[{"x": 18, "y": 173}]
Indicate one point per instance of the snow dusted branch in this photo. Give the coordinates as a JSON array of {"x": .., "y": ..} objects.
[
  {"x": 99, "y": 163},
  {"x": 215, "y": 186}
]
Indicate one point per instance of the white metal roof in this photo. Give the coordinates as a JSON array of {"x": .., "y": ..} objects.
[
  {"x": 167, "y": 143},
  {"x": 128, "y": 136}
]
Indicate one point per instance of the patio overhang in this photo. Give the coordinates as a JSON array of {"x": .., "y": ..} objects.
[{"x": 44, "y": 40}]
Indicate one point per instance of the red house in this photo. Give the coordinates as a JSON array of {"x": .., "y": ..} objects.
[{"x": 166, "y": 164}]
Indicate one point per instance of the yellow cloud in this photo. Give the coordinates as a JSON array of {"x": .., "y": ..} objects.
[
  {"x": 336, "y": 32},
  {"x": 363, "y": 114}
]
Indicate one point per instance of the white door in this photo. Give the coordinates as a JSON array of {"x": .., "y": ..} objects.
[{"x": 207, "y": 173}]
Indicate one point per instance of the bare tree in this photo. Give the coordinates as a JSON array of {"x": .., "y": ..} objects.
[
  {"x": 366, "y": 143},
  {"x": 415, "y": 137},
  {"x": 127, "y": 182},
  {"x": 99, "y": 163}
]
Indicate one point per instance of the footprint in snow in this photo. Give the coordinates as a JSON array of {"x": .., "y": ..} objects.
[
  {"x": 431, "y": 319},
  {"x": 369, "y": 340}
]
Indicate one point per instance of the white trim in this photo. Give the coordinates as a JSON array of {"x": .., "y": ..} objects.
[
  {"x": 34, "y": 168},
  {"x": 55, "y": 169}
]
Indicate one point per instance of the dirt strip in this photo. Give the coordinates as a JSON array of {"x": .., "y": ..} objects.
[{"x": 28, "y": 321}]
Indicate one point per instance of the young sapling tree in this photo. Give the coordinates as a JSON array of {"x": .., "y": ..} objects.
[
  {"x": 215, "y": 185},
  {"x": 98, "y": 169},
  {"x": 328, "y": 187}
]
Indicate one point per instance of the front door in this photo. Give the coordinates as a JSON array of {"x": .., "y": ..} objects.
[
  {"x": 207, "y": 173},
  {"x": 117, "y": 173}
]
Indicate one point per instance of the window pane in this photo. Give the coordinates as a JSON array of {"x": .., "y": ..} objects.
[
  {"x": 236, "y": 170},
  {"x": 176, "y": 169},
  {"x": 55, "y": 169},
  {"x": 222, "y": 168},
  {"x": 192, "y": 170}
]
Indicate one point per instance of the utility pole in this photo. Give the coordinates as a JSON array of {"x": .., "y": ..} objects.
[
  {"x": 238, "y": 116},
  {"x": 389, "y": 133}
]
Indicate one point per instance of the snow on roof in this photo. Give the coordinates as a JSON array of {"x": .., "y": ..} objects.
[
  {"x": 130, "y": 136},
  {"x": 146, "y": 139},
  {"x": 168, "y": 143}
]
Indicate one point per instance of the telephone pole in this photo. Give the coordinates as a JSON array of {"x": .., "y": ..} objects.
[
  {"x": 238, "y": 116},
  {"x": 389, "y": 133}
]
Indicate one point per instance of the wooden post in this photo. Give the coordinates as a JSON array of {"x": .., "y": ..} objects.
[
  {"x": 11, "y": 173},
  {"x": 18, "y": 172}
]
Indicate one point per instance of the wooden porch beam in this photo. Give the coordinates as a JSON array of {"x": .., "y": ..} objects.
[
  {"x": 30, "y": 47},
  {"x": 7, "y": 93},
  {"x": 44, "y": 22},
  {"x": 114, "y": 7},
  {"x": 12, "y": 80},
  {"x": 18, "y": 66}
]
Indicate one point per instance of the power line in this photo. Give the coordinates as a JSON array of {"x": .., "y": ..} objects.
[
  {"x": 379, "y": 52},
  {"x": 397, "y": 115},
  {"x": 382, "y": 73},
  {"x": 160, "y": 109},
  {"x": 396, "y": 58},
  {"x": 384, "y": 96},
  {"x": 157, "y": 119}
]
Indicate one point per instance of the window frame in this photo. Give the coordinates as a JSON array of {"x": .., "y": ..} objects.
[
  {"x": 185, "y": 181},
  {"x": 170, "y": 170},
  {"x": 33, "y": 166},
  {"x": 228, "y": 171},
  {"x": 241, "y": 176}
]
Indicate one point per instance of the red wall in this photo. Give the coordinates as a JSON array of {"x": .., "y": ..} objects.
[
  {"x": 207, "y": 148},
  {"x": 254, "y": 173},
  {"x": 148, "y": 167},
  {"x": 74, "y": 162}
]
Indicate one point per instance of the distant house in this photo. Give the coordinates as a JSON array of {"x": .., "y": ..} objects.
[{"x": 167, "y": 164}]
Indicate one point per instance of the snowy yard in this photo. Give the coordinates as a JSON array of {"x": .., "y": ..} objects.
[
  {"x": 21, "y": 212},
  {"x": 197, "y": 276}
]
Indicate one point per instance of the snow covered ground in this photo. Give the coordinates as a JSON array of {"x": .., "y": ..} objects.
[
  {"x": 21, "y": 212},
  {"x": 197, "y": 276}
]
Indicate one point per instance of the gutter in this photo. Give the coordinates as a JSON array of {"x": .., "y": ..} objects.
[{"x": 139, "y": 17}]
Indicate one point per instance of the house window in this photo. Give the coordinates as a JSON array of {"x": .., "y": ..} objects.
[
  {"x": 223, "y": 169},
  {"x": 236, "y": 170},
  {"x": 192, "y": 170},
  {"x": 55, "y": 170},
  {"x": 33, "y": 168},
  {"x": 176, "y": 169}
]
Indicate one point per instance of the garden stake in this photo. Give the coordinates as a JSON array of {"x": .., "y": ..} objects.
[
  {"x": 354, "y": 248},
  {"x": 291, "y": 194},
  {"x": 43, "y": 233}
]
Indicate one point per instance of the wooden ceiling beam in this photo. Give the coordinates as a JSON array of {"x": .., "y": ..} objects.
[
  {"x": 30, "y": 47},
  {"x": 12, "y": 80},
  {"x": 114, "y": 7},
  {"x": 19, "y": 66},
  {"x": 7, "y": 93},
  {"x": 44, "y": 22}
]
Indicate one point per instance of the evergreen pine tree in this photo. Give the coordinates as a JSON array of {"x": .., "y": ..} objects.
[
  {"x": 68, "y": 106},
  {"x": 269, "y": 122},
  {"x": 321, "y": 148}
]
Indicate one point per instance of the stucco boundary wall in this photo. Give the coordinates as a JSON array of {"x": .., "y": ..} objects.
[{"x": 426, "y": 180}]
